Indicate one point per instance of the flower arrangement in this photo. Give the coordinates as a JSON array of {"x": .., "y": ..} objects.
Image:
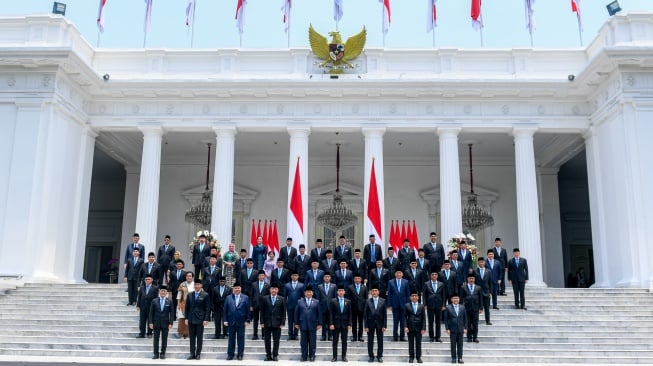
[
  {"x": 210, "y": 239},
  {"x": 454, "y": 243}
]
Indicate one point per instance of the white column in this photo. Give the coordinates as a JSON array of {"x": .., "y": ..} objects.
[
  {"x": 374, "y": 150},
  {"x": 77, "y": 251},
  {"x": 130, "y": 207},
  {"x": 552, "y": 263},
  {"x": 298, "y": 150},
  {"x": 450, "y": 198},
  {"x": 223, "y": 184},
  {"x": 148, "y": 188},
  {"x": 528, "y": 221}
]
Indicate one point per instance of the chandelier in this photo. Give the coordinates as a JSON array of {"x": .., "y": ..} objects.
[
  {"x": 475, "y": 217},
  {"x": 200, "y": 214},
  {"x": 337, "y": 216}
]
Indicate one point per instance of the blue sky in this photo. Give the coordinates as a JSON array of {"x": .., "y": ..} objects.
[{"x": 215, "y": 26}]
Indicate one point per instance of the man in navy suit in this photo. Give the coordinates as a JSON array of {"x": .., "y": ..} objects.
[
  {"x": 406, "y": 255},
  {"x": 518, "y": 276},
  {"x": 280, "y": 276},
  {"x": 376, "y": 322},
  {"x": 313, "y": 277},
  {"x": 307, "y": 320},
  {"x": 220, "y": 294},
  {"x": 496, "y": 269},
  {"x": 287, "y": 255},
  {"x": 358, "y": 296},
  {"x": 161, "y": 317},
  {"x": 201, "y": 250},
  {"x": 415, "y": 326},
  {"x": 434, "y": 252},
  {"x": 273, "y": 318},
  {"x": 434, "y": 299},
  {"x": 458, "y": 267},
  {"x": 197, "y": 314},
  {"x": 339, "y": 322},
  {"x": 359, "y": 265},
  {"x": 501, "y": 255},
  {"x": 484, "y": 281},
  {"x": 465, "y": 257},
  {"x": 398, "y": 296},
  {"x": 134, "y": 245},
  {"x": 146, "y": 294},
  {"x": 236, "y": 315},
  {"x": 132, "y": 276},
  {"x": 259, "y": 290},
  {"x": 379, "y": 277},
  {"x": 448, "y": 278},
  {"x": 302, "y": 263},
  {"x": 165, "y": 254},
  {"x": 372, "y": 252},
  {"x": 472, "y": 299},
  {"x": 455, "y": 321},
  {"x": 325, "y": 292},
  {"x": 294, "y": 291},
  {"x": 342, "y": 251},
  {"x": 344, "y": 276}
]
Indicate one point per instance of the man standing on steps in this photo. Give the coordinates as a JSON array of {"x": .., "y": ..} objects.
[
  {"x": 129, "y": 251},
  {"x": 434, "y": 299},
  {"x": 198, "y": 311},
  {"x": 455, "y": 321},
  {"x": 273, "y": 318},
  {"x": 398, "y": 296},
  {"x": 434, "y": 252},
  {"x": 236, "y": 315},
  {"x": 415, "y": 326},
  {"x": 372, "y": 252},
  {"x": 164, "y": 256},
  {"x": 518, "y": 275},
  {"x": 496, "y": 269},
  {"x": 376, "y": 322},
  {"x": 220, "y": 294},
  {"x": 501, "y": 255},
  {"x": 339, "y": 322},
  {"x": 201, "y": 250},
  {"x": 484, "y": 281},
  {"x": 161, "y": 317},
  {"x": 472, "y": 299},
  {"x": 132, "y": 276},
  {"x": 146, "y": 294},
  {"x": 307, "y": 321},
  {"x": 260, "y": 289}
]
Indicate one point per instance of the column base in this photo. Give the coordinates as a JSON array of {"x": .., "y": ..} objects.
[
  {"x": 601, "y": 285},
  {"x": 536, "y": 284},
  {"x": 631, "y": 283}
]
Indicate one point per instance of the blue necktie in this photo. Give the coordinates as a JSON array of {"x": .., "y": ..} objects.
[
  {"x": 414, "y": 308},
  {"x": 274, "y": 300},
  {"x": 373, "y": 256},
  {"x": 456, "y": 308},
  {"x": 196, "y": 295},
  {"x": 162, "y": 303},
  {"x": 342, "y": 305}
]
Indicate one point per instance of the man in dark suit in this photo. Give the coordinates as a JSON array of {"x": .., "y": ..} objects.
[
  {"x": 302, "y": 263},
  {"x": 329, "y": 265},
  {"x": 259, "y": 290},
  {"x": 198, "y": 311},
  {"x": 280, "y": 276},
  {"x": 218, "y": 261},
  {"x": 161, "y": 317},
  {"x": 398, "y": 296},
  {"x": 422, "y": 262},
  {"x": 339, "y": 322},
  {"x": 342, "y": 251},
  {"x": 318, "y": 253},
  {"x": 434, "y": 252},
  {"x": 449, "y": 280},
  {"x": 470, "y": 295},
  {"x": 240, "y": 263},
  {"x": 132, "y": 276},
  {"x": 434, "y": 299},
  {"x": 458, "y": 267},
  {"x": 465, "y": 257},
  {"x": 165, "y": 254},
  {"x": 390, "y": 262},
  {"x": 273, "y": 318},
  {"x": 371, "y": 252},
  {"x": 146, "y": 294},
  {"x": 359, "y": 265},
  {"x": 375, "y": 318},
  {"x": 220, "y": 294},
  {"x": 501, "y": 255},
  {"x": 455, "y": 321},
  {"x": 344, "y": 276},
  {"x": 287, "y": 255},
  {"x": 236, "y": 314},
  {"x": 153, "y": 269},
  {"x": 176, "y": 278},
  {"x": 415, "y": 278},
  {"x": 325, "y": 292},
  {"x": 129, "y": 251},
  {"x": 518, "y": 276},
  {"x": 314, "y": 276},
  {"x": 307, "y": 320},
  {"x": 415, "y": 326},
  {"x": 484, "y": 281},
  {"x": 201, "y": 250},
  {"x": 379, "y": 277},
  {"x": 357, "y": 293},
  {"x": 211, "y": 276},
  {"x": 294, "y": 291},
  {"x": 496, "y": 269},
  {"x": 247, "y": 277},
  {"x": 406, "y": 255}
]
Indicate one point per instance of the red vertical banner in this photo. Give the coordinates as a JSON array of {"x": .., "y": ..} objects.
[
  {"x": 414, "y": 238},
  {"x": 275, "y": 239},
  {"x": 404, "y": 232},
  {"x": 265, "y": 235}
]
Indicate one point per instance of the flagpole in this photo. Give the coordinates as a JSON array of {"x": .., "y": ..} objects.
[
  {"x": 97, "y": 45},
  {"x": 531, "y": 34},
  {"x": 481, "y": 28},
  {"x": 144, "y": 38},
  {"x": 192, "y": 26},
  {"x": 580, "y": 34},
  {"x": 433, "y": 31},
  {"x": 382, "y": 26},
  {"x": 288, "y": 30}
]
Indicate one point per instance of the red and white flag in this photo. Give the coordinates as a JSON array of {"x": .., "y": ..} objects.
[
  {"x": 148, "y": 15},
  {"x": 414, "y": 238},
  {"x": 386, "y": 15},
  {"x": 190, "y": 13},
  {"x": 253, "y": 234},
  {"x": 296, "y": 209},
  {"x": 404, "y": 233},
  {"x": 431, "y": 20},
  {"x": 575, "y": 7},
  {"x": 240, "y": 15},
  {"x": 265, "y": 234},
  {"x": 477, "y": 18},
  {"x": 285, "y": 9},
  {"x": 374, "y": 208},
  {"x": 530, "y": 18},
  {"x": 100, "y": 16},
  {"x": 274, "y": 240}
]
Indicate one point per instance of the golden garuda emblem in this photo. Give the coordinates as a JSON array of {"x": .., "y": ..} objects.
[{"x": 336, "y": 54}]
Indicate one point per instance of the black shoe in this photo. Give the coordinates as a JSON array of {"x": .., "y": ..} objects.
[
  {"x": 155, "y": 357},
  {"x": 303, "y": 360},
  {"x": 371, "y": 359},
  {"x": 329, "y": 339},
  {"x": 254, "y": 337},
  {"x": 229, "y": 358},
  {"x": 361, "y": 339},
  {"x": 334, "y": 359},
  {"x": 410, "y": 360},
  {"x": 268, "y": 358},
  {"x": 453, "y": 360},
  {"x": 275, "y": 358},
  {"x": 380, "y": 359},
  {"x": 149, "y": 336},
  {"x": 163, "y": 356},
  {"x": 323, "y": 339},
  {"x": 395, "y": 339},
  {"x": 476, "y": 340},
  {"x": 140, "y": 336},
  {"x": 460, "y": 360},
  {"x": 197, "y": 357},
  {"x": 312, "y": 359},
  {"x": 525, "y": 308},
  {"x": 344, "y": 359},
  {"x": 419, "y": 360},
  {"x": 402, "y": 339},
  {"x": 469, "y": 340},
  {"x": 239, "y": 357},
  {"x": 495, "y": 308},
  {"x": 191, "y": 357},
  {"x": 438, "y": 340},
  {"x": 488, "y": 323}
]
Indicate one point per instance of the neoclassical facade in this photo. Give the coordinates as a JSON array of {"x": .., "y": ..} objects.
[{"x": 526, "y": 112}]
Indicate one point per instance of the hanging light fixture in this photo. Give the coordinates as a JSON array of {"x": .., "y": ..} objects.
[
  {"x": 475, "y": 217},
  {"x": 337, "y": 216},
  {"x": 200, "y": 214}
]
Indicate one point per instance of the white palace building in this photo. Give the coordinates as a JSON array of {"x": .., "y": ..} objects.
[{"x": 100, "y": 143}]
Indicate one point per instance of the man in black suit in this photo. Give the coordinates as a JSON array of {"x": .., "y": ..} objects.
[
  {"x": 314, "y": 276},
  {"x": 220, "y": 294},
  {"x": 280, "y": 276},
  {"x": 501, "y": 255},
  {"x": 376, "y": 322},
  {"x": 455, "y": 321},
  {"x": 151, "y": 268},
  {"x": 342, "y": 251},
  {"x": 129, "y": 251},
  {"x": 211, "y": 276},
  {"x": 273, "y": 318},
  {"x": 458, "y": 267},
  {"x": 176, "y": 278},
  {"x": 329, "y": 265},
  {"x": 398, "y": 296},
  {"x": 416, "y": 278},
  {"x": 357, "y": 293},
  {"x": 201, "y": 250},
  {"x": 371, "y": 252},
  {"x": 359, "y": 265},
  {"x": 259, "y": 290},
  {"x": 465, "y": 257},
  {"x": 415, "y": 326},
  {"x": 287, "y": 255},
  {"x": 146, "y": 294},
  {"x": 241, "y": 263},
  {"x": 422, "y": 262},
  {"x": 236, "y": 315},
  {"x": 518, "y": 277},
  {"x": 302, "y": 263},
  {"x": 325, "y": 292},
  {"x": 434, "y": 252},
  {"x": 165, "y": 254},
  {"x": 448, "y": 278},
  {"x": 339, "y": 322},
  {"x": 496, "y": 269},
  {"x": 484, "y": 281},
  {"x": 434, "y": 299},
  {"x": 344, "y": 276},
  {"x": 308, "y": 321},
  {"x": 132, "y": 276},
  {"x": 318, "y": 253},
  {"x": 198, "y": 311},
  {"x": 406, "y": 255},
  {"x": 390, "y": 262},
  {"x": 207, "y": 261},
  {"x": 161, "y": 317},
  {"x": 471, "y": 297},
  {"x": 378, "y": 277},
  {"x": 294, "y": 291}
]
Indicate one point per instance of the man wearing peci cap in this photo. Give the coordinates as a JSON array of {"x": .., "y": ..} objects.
[
  {"x": 220, "y": 294},
  {"x": 448, "y": 277},
  {"x": 273, "y": 318},
  {"x": 236, "y": 315},
  {"x": 287, "y": 254},
  {"x": 372, "y": 252},
  {"x": 358, "y": 295},
  {"x": 302, "y": 263},
  {"x": 294, "y": 291},
  {"x": 434, "y": 252},
  {"x": 160, "y": 318},
  {"x": 501, "y": 255},
  {"x": 415, "y": 326},
  {"x": 518, "y": 277},
  {"x": 146, "y": 294},
  {"x": 261, "y": 289},
  {"x": 359, "y": 265},
  {"x": 307, "y": 320},
  {"x": 376, "y": 322},
  {"x": 455, "y": 321},
  {"x": 471, "y": 297},
  {"x": 339, "y": 322},
  {"x": 197, "y": 314}
]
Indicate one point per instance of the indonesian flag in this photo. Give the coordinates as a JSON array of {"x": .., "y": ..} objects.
[
  {"x": 530, "y": 18},
  {"x": 337, "y": 10},
  {"x": 190, "y": 12},
  {"x": 395, "y": 242},
  {"x": 414, "y": 238},
  {"x": 374, "y": 208},
  {"x": 432, "y": 16},
  {"x": 240, "y": 15},
  {"x": 253, "y": 234},
  {"x": 274, "y": 241},
  {"x": 575, "y": 7},
  {"x": 386, "y": 15},
  {"x": 477, "y": 20},
  {"x": 265, "y": 234},
  {"x": 296, "y": 209},
  {"x": 285, "y": 9},
  {"x": 404, "y": 233},
  {"x": 100, "y": 16},
  {"x": 148, "y": 15}
]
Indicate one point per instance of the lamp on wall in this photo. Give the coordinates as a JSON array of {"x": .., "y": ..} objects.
[
  {"x": 337, "y": 216},
  {"x": 475, "y": 217},
  {"x": 200, "y": 214}
]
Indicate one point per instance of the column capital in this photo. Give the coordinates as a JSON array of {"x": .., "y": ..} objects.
[
  {"x": 589, "y": 133},
  {"x": 90, "y": 132},
  {"x": 371, "y": 132},
  {"x": 547, "y": 171},
  {"x": 225, "y": 130},
  {"x": 448, "y": 131},
  {"x": 523, "y": 131},
  {"x": 151, "y": 129},
  {"x": 298, "y": 131}
]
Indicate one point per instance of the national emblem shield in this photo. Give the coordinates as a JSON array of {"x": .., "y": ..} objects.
[{"x": 336, "y": 51}]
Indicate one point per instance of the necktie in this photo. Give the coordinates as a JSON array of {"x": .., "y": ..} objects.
[
  {"x": 455, "y": 307},
  {"x": 414, "y": 274},
  {"x": 390, "y": 259},
  {"x": 212, "y": 269},
  {"x": 517, "y": 262},
  {"x": 326, "y": 289},
  {"x": 482, "y": 272},
  {"x": 376, "y": 303},
  {"x": 221, "y": 290},
  {"x": 249, "y": 272},
  {"x": 342, "y": 249},
  {"x": 274, "y": 298},
  {"x": 343, "y": 273},
  {"x": 414, "y": 308},
  {"x": 314, "y": 274},
  {"x": 471, "y": 289},
  {"x": 135, "y": 260},
  {"x": 196, "y": 295},
  {"x": 301, "y": 257},
  {"x": 201, "y": 247},
  {"x": 373, "y": 256},
  {"x": 447, "y": 273},
  {"x": 242, "y": 263},
  {"x": 498, "y": 251},
  {"x": 435, "y": 286},
  {"x": 288, "y": 250},
  {"x": 279, "y": 272},
  {"x": 260, "y": 287},
  {"x": 178, "y": 274},
  {"x": 318, "y": 252},
  {"x": 378, "y": 272},
  {"x": 421, "y": 263},
  {"x": 398, "y": 285},
  {"x": 329, "y": 263},
  {"x": 294, "y": 284},
  {"x": 149, "y": 268},
  {"x": 358, "y": 289},
  {"x": 237, "y": 300},
  {"x": 147, "y": 289},
  {"x": 342, "y": 305},
  {"x": 308, "y": 302},
  {"x": 358, "y": 263},
  {"x": 166, "y": 248},
  {"x": 163, "y": 301}
]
